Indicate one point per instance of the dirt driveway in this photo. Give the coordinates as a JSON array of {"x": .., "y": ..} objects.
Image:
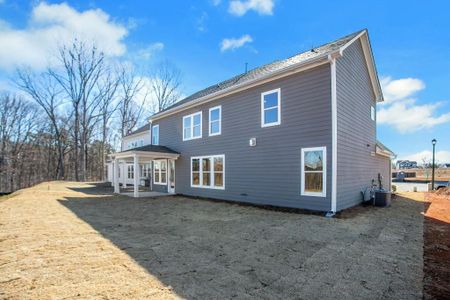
[{"x": 72, "y": 240}]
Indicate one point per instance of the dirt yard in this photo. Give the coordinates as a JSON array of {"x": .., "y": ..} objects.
[
  {"x": 437, "y": 246},
  {"x": 70, "y": 240}
]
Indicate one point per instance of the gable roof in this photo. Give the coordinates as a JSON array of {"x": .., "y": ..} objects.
[
  {"x": 279, "y": 66},
  {"x": 144, "y": 128},
  {"x": 380, "y": 148}
]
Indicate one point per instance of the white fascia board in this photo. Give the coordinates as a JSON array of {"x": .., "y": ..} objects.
[
  {"x": 145, "y": 154},
  {"x": 370, "y": 63}
]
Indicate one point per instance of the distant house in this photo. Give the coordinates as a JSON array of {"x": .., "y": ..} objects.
[
  {"x": 299, "y": 132},
  {"x": 406, "y": 164}
]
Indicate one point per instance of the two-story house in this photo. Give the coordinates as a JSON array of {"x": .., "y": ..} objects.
[{"x": 299, "y": 132}]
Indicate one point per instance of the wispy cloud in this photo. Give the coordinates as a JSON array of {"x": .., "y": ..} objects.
[
  {"x": 201, "y": 22},
  {"x": 426, "y": 155},
  {"x": 402, "y": 110},
  {"x": 52, "y": 25},
  {"x": 213, "y": 2},
  {"x": 240, "y": 7},
  {"x": 399, "y": 89},
  {"x": 235, "y": 43},
  {"x": 147, "y": 52}
]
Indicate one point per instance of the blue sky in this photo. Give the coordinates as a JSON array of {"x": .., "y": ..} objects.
[{"x": 212, "y": 40}]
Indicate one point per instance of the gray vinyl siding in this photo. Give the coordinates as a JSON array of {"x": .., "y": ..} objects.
[
  {"x": 356, "y": 132},
  {"x": 269, "y": 173}
]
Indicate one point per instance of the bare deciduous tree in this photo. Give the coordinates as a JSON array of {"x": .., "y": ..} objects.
[
  {"x": 165, "y": 84},
  {"x": 18, "y": 119},
  {"x": 83, "y": 67},
  {"x": 43, "y": 90},
  {"x": 130, "y": 110}
]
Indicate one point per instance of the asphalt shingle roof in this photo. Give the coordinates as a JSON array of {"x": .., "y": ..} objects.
[
  {"x": 144, "y": 128},
  {"x": 153, "y": 148},
  {"x": 268, "y": 68}
]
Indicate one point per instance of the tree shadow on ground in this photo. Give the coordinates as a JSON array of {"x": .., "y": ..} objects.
[
  {"x": 221, "y": 250},
  {"x": 94, "y": 188}
]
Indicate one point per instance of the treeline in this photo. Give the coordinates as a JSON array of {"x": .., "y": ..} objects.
[{"x": 63, "y": 121}]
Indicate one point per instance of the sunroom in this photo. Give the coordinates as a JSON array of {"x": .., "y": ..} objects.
[{"x": 143, "y": 171}]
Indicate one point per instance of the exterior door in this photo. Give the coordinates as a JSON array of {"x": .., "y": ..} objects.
[
  {"x": 129, "y": 175},
  {"x": 171, "y": 183}
]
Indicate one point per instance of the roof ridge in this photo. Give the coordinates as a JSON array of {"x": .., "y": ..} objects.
[{"x": 266, "y": 68}]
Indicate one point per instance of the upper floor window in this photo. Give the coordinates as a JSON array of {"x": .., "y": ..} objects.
[
  {"x": 133, "y": 144},
  {"x": 192, "y": 126},
  {"x": 270, "y": 108},
  {"x": 141, "y": 143},
  {"x": 372, "y": 113},
  {"x": 215, "y": 120},
  {"x": 155, "y": 135}
]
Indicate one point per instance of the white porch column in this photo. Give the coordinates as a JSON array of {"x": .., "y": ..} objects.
[
  {"x": 151, "y": 175},
  {"x": 116, "y": 176},
  {"x": 111, "y": 172},
  {"x": 136, "y": 175}
]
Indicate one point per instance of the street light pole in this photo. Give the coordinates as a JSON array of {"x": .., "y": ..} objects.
[{"x": 432, "y": 170}]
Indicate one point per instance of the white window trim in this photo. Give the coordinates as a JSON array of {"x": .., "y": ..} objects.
[
  {"x": 154, "y": 172},
  {"x": 211, "y": 172},
  {"x": 324, "y": 172},
  {"x": 278, "y": 91},
  {"x": 219, "y": 107},
  {"x": 157, "y": 127},
  {"x": 192, "y": 126}
]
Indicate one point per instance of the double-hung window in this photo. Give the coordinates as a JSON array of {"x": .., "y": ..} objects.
[
  {"x": 271, "y": 108},
  {"x": 208, "y": 172},
  {"x": 160, "y": 172},
  {"x": 215, "y": 120},
  {"x": 130, "y": 172},
  {"x": 145, "y": 170},
  {"x": 155, "y": 135},
  {"x": 192, "y": 126},
  {"x": 313, "y": 177}
]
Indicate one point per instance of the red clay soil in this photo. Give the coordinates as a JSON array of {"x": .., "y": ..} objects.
[{"x": 437, "y": 245}]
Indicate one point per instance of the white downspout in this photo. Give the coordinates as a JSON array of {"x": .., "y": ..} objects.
[{"x": 332, "y": 58}]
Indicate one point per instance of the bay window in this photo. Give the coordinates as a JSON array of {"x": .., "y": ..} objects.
[
  {"x": 130, "y": 173},
  {"x": 160, "y": 172}
]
